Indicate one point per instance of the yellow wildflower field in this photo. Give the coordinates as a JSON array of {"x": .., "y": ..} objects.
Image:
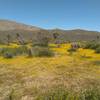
[{"x": 30, "y": 77}]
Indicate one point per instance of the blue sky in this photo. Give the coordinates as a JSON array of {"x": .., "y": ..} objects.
[{"x": 65, "y": 14}]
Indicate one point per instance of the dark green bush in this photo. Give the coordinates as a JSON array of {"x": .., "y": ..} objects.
[
  {"x": 41, "y": 51},
  {"x": 8, "y": 55},
  {"x": 8, "y": 52},
  {"x": 92, "y": 45},
  {"x": 41, "y": 41},
  {"x": 97, "y": 50},
  {"x": 72, "y": 50},
  {"x": 23, "y": 50}
]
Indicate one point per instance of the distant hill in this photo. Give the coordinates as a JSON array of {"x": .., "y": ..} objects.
[
  {"x": 29, "y": 32},
  {"x": 76, "y": 35},
  {"x": 6, "y": 25}
]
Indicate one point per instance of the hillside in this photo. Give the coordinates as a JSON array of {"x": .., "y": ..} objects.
[
  {"x": 29, "y": 32},
  {"x": 6, "y": 25},
  {"x": 76, "y": 35}
]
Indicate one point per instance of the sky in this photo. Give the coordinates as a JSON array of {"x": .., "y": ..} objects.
[{"x": 49, "y": 14}]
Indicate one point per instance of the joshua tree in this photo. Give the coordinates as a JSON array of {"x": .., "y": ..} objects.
[
  {"x": 55, "y": 36},
  {"x": 20, "y": 39},
  {"x": 41, "y": 40},
  {"x": 75, "y": 45}
]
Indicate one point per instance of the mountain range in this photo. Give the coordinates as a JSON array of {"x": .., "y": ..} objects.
[{"x": 29, "y": 32}]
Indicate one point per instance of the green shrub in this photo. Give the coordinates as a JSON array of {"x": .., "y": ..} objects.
[
  {"x": 92, "y": 45},
  {"x": 8, "y": 55},
  {"x": 8, "y": 52},
  {"x": 97, "y": 50},
  {"x": 71, "y": 50},
  {"x": 41, "y": 41},
  {"x": 22, "y": 50},
  {"x": 41, "y": 51}
]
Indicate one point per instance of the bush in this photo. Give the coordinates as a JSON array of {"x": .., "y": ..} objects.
[
  {"x": 8, "y": 55},
  {"x": 23, "y": 50},
  {"x": 10, "y": 52},
  {"x": 97, "y": 50},
  {"x": 40, "y": 51},
  {"x": 72, "y": 50},
  {"x": 41, "y": 41},
  {"x": 7, "y": 52},
  {"x": 92, "y": 45}
]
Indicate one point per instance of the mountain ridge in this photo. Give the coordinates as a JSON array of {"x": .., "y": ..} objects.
[
  {"x": 12, "y": 25},
  {"x": 29, "y": 32}
]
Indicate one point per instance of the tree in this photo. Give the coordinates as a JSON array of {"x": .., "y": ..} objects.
[
  {"x": 41, "y": 40},
  {"x": 20, "y": 39},
  {"x": 55, "y": 36}
]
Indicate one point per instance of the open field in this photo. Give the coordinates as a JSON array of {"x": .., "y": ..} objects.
[{"x": 65, "y": 76}]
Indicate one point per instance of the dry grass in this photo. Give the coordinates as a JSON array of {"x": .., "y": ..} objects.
[{"x": 23, "y": 78}]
